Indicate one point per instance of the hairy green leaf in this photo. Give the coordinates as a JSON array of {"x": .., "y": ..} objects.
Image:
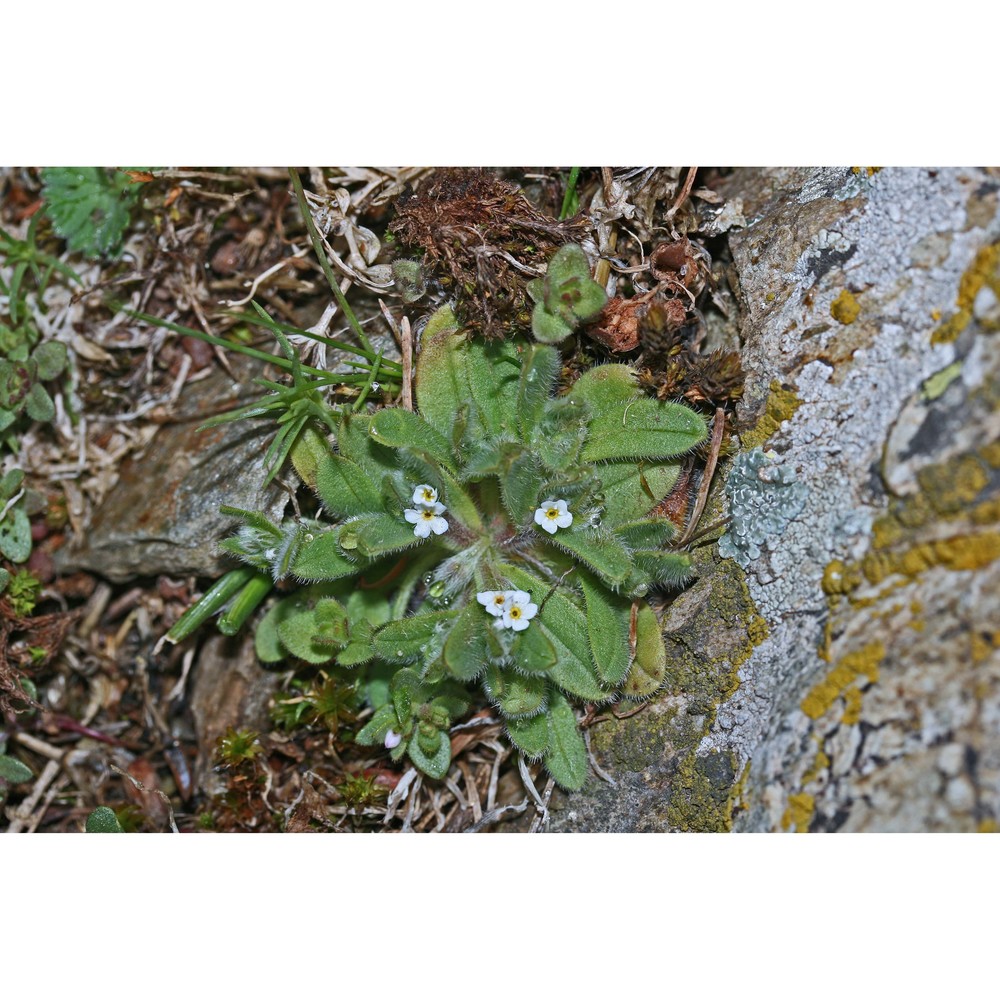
[
  {"x": 531, "y": 735},
  {"x": 435, "y": 764},
  {"x": 345, "y": 489},
  {"x": 410, "y": 640},
  {"x": 643, "y": 428},
  {"x": 566, "y": 757},
  {"x": 608, "y": 618},
  {"x": 516, "y": 695},
  {"x": 650, "y": 664}
]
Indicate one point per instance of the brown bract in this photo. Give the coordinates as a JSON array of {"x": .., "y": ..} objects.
[
  {"x": 617, "y": 327},
  {"x": 680, "y": 264},
  {"x": 485, "y": 241}
]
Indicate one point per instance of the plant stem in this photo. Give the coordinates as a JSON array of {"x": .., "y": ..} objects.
[
  {"x": 324, "y": 262},
  {"x": 570, "y": 191}
]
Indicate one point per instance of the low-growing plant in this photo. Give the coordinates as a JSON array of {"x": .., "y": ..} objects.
[
  {"x": 566, "y": 297},
  {"x": 501, "y": 537},
  {"x": 90, "y": 207}
]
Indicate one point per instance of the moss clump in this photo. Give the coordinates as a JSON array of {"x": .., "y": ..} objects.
[
  {"x": 704, "y": 656},
  {"x": 781, "y": 406},
  {"x": 845, "y": 308},
  {"x": 799, "y": 814},
  {"x": 863, "y": 662},
  {"x": 984, "y": 271},
  {"x": 701, "y": 793}
]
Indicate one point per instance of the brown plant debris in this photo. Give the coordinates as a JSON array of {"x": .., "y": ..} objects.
[{"x": 485, "y": 241}]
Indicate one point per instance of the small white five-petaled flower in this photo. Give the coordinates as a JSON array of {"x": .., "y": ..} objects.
[
  {"x": 512, "y": 608},
  {"x": 553, "y": 514},
  {"x": 495, "y": 601},
  {"x": 425, "y": 495},
  {"x": 427, "y": 519}
]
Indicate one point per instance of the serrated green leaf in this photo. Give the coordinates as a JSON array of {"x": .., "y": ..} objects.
[
  {"x": 322, "y": 559},
  {"x": 398, "y": 428},
  {"x": 436, "y": 764},
  {"x": 600, "y": 551},
  {"x": 7, "y": 417},
  {"x": 633, "y": 489},
  {"x": 643, "y": 428},
  {"x": 566, "y": 757},
  {"x": 413, "y": 639},
  {"x": 516, "y": 695},
  {"x": 650, "y": 664},
  {"x": 103, "y": 820},
  {"x": 15, "y": 535},
  {"x": 345, "y": 489},
  {"x": 608, "y": 618},
  {"x": 13, "y": 771},
  {"x": 466, "y": 650},
  {"x": 530, "y": 736}
]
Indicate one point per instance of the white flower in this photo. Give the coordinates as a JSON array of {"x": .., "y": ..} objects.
[
  {"x": 519, "y": 611},
  {"x": 495, "y": 601},
  {"x": 425, "y": 496},
  {"x": 392, "y": 739},
  {"x": 553, "y": 514},
  {"x": 427, "y": 519}
]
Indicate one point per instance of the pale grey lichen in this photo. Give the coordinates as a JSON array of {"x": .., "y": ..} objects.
[{"x": 763, "y": 498}]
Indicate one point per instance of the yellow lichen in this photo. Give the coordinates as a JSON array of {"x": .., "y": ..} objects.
[
  {"x": 863, "y": 662},
  {"x": 951, "y": 486},
  {"x": 852, "y": 707},
  {"x": 988, "y": 826},
  {"x": 838, "y": 578},
  {"x": 960, "y": 552},
  {"x": 800, "y": 811},
  {"x": 845, "y": 308},
  {"x": 983, "y": 271},
  {"x": 991, "y": 453},
  {"x": 781, "y": 406},
  {"x": 818, "y": 766}
]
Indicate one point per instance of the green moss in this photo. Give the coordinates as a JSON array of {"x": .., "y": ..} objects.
[
  {"x": 727, "y": 622},
  {"x": 845, "y": 308},
  {"x": 701, "y": 793},
  {"x": 984, "y": 271},
  {"x": 781, "y": 406}
]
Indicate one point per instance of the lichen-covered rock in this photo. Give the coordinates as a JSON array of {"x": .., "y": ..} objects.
[{"x": 871, "y": 698}]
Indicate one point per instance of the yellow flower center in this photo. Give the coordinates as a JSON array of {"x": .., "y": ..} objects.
[
  {"x": 429, "y": 496},
  {"x": 515, "y": 612},
  {"x": 499, "y": 599},
  {"x": 428, "y": 515}
]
